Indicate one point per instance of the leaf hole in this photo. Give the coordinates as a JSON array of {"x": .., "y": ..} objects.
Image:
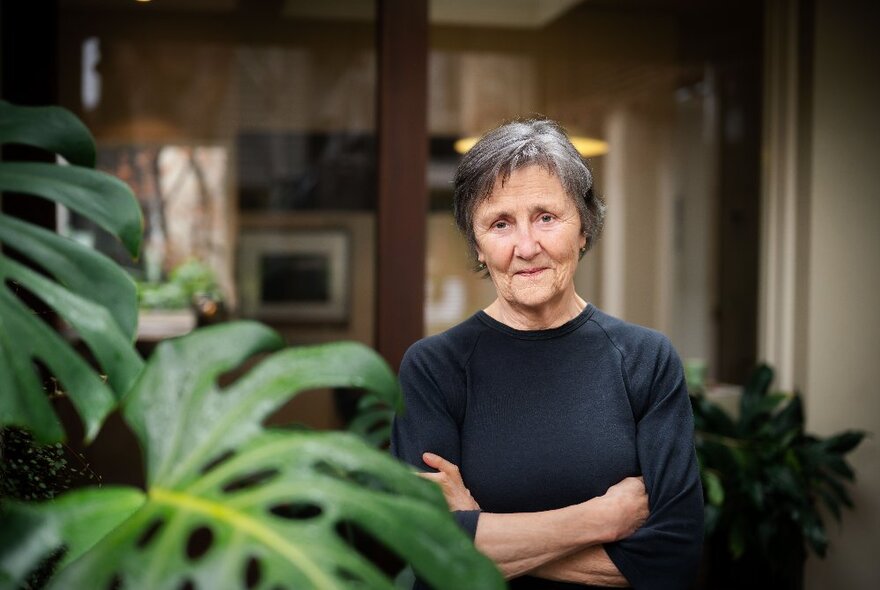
[
  {"x": 30, "y": 299},
  {"x": 363, "y": 479},
  {"x": 325, "y": 468},
  {"x": 150, "y": 532},
  {"x": 250, "y": 480},
  {"x": 115, "y": 582},
  {"x": 199, "y": 542},
  {"x": 370, "y": 481},
  {"x": 229, "y": 378},
  {"x": 50, "y": 385},
  {"x": 297, "y": 510},
  {"x": 348, "y": 575},
  {"x": 370, "y": 548},
  {"x": 253, "y": 571},
  {"x": 187, "y": 585},
  {"x": 217, "y": 461},
  {"x": 39, "y": 576}
]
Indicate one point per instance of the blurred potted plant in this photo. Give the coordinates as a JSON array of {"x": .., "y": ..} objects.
[
  {"x": 190, "y": 285},
  {"x": 766, "y": 483},
  {"x": 228, "y": 503}
]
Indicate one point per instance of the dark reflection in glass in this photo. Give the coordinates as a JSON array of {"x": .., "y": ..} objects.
[
  {"x": 295, "y": 278},
  {"x": 281, "y": 171}
]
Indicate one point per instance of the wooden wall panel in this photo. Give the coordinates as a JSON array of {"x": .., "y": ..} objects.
[{"x": 403, "y": 195}]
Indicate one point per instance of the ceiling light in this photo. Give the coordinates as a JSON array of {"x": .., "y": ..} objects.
[{"x": 587, "y": 147}]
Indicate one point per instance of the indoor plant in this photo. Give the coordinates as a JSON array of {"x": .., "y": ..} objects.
[
  {"x": 766, "y": 483},
  {"x": 228, "y": 502}
]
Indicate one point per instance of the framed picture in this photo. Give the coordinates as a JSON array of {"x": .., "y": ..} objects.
[{"x": 295, "y": 276}]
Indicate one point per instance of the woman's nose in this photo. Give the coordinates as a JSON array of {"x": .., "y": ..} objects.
[{"x": 526, "y": 247}]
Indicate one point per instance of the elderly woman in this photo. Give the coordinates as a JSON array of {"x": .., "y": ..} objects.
[{"x": 562, "y": 437}]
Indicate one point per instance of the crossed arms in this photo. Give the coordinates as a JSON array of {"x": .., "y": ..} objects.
[{"x": 563, "y": 544}]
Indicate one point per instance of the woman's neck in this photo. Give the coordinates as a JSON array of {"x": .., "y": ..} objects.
[{"x": 549, "y": 315}]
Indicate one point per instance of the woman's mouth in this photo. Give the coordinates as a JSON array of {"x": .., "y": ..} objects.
[{"x": 530, "y": 272}]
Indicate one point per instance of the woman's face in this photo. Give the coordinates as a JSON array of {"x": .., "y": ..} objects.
[{"x": 529, "y": 236}]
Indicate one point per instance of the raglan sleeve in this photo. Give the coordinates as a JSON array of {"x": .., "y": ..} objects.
[
  {"x": 665, "y": 552},
  {"x": 433, "y": 398}
]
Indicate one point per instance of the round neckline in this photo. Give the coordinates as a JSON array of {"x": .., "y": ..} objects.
[{"x": 543, "y": 334}]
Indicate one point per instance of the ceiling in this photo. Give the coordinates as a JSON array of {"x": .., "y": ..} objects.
[{"x": 524, "y": 14}]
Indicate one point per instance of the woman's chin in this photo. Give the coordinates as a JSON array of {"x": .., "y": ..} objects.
[{"x": 534, "y": 298}]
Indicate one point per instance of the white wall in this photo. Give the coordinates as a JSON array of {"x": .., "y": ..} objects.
[{"x": 842, "y": 388}]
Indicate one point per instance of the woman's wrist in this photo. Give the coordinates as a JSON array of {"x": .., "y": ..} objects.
[{"x": 596, "y": 521}]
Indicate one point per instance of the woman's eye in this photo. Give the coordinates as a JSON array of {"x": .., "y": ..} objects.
[
  {"x": 546, "y": 218},
  {"x": 500, "y": 224}
]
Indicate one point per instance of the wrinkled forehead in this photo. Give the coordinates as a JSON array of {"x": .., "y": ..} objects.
[
  {"x": 527, "y": 188},
  {"x": 530, "y": 178}
]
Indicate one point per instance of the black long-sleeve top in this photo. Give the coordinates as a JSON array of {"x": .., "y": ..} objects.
[{"x": 539, "y": 420}]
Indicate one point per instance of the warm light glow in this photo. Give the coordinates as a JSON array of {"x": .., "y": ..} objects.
[
  {"x": 587, "y": 147},
  {"x": 143, "y": 0},
  {"x": 463, "y": 145}
]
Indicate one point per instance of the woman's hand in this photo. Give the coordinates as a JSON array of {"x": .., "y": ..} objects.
[
  {"x": 449, "y": 479},
  {"x": 626, "y": 503}
]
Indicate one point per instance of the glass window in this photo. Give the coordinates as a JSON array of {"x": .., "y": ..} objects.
[{"x": 247, "y": 132}]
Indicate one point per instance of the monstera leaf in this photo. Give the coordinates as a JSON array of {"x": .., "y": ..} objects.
[
  {"x": 232, "y": 504},
  {"x": 87, "y": 290},
  {"x": 373, "y": 421}
]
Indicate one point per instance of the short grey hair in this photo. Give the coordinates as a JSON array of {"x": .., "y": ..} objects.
[{"x": 514, "y": 145}]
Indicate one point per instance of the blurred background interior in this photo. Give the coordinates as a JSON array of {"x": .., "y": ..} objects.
[{"x": 294, "y": 161}]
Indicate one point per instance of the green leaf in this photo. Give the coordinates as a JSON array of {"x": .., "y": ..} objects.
[
  {"x": 277, "y": 502},
  {"x": 712, "y": 516},
  {"x": 710, "y": 417},
  {"x": 755, "y": 490},
  {"x": 782, "y": 480},
  {"x": 759, "y": 382},
  {"x": 714, "y": 488},
  {"x": 373, "y": 421},
  {"x": 839, "y": 490},
  {"x": 840, "y": 467},
  {"x": 78, "y": 268},
  {"x": 757, "y": 413},
  {"x": 754, "y": 393},
  {"x": 104, "y": 199},
  {"x": 287, "y": 522},
  {"x": 831, "y": 502},
  {"x": 75, "y": 521},
  {"x": 25, "y": 337},
  {"x": 737, "y": 540},
  {"x": 51, "y": 128},
  {"x": 813, "y": 531},
  {"x": 87, "y": 290},
  {"x": 177, "y": 392},
  {"x": 791, "y": 417},
  {"x": 844, "y": 442}
]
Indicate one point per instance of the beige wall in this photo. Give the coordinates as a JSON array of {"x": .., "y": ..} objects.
[
  {"x": 843, "y": 343},
  {"x": 636, "y": 187}
]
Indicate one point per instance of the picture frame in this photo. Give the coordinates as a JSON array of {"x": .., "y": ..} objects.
[{"x": 295, "y": 276}]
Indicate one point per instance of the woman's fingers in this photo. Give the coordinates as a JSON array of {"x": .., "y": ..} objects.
[
  {"x": 435, "y": 477},
  {"x": 448, "y": 477},
  {"x": 440, "y": 464}
]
